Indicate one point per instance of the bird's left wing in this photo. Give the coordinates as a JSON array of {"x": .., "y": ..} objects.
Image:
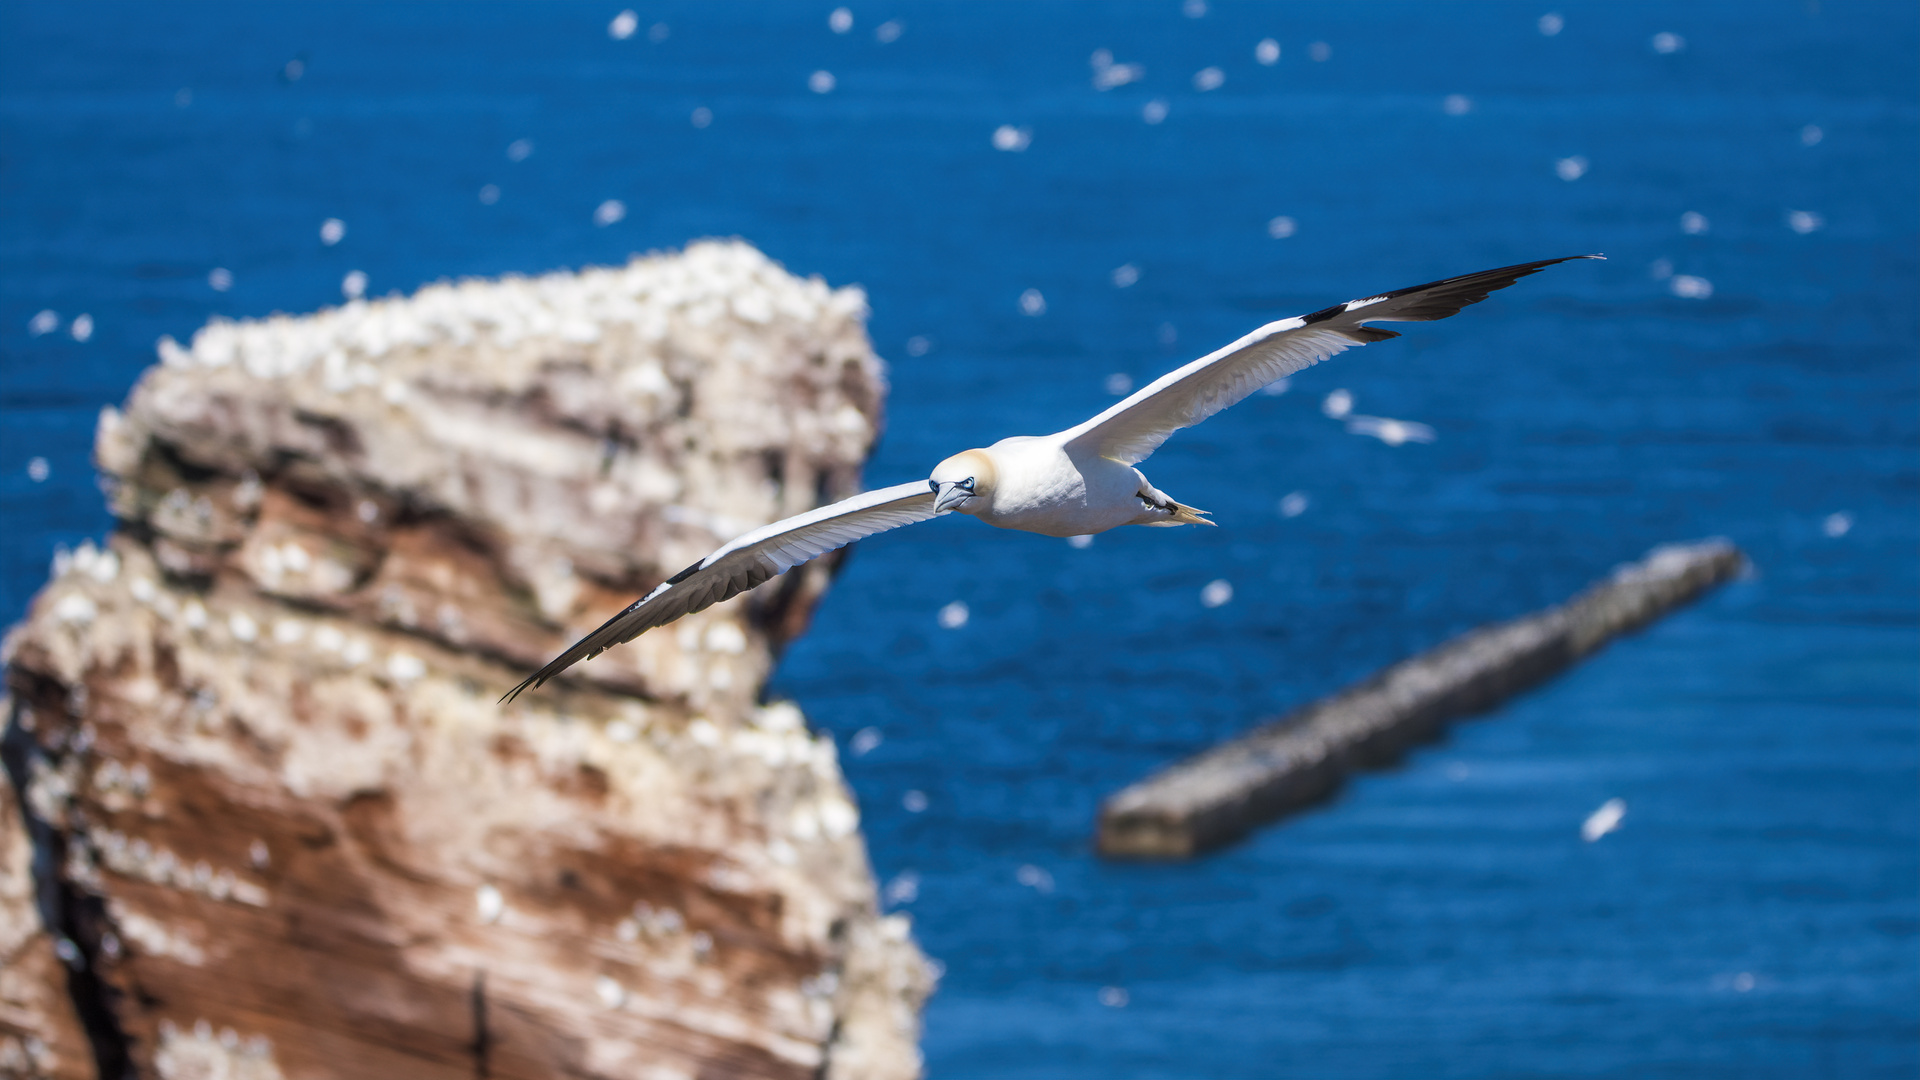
[
  {"x": 1132, "y": 430},
  {"x": 745, "y": 563}
]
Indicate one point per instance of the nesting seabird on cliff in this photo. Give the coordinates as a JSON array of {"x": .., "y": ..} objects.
[{"x": 1072, "y": 483}]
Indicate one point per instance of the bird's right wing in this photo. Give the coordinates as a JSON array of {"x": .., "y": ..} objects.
[
  {"x": 1132, "y": 430},
  {"x": 745, "y": 563}
]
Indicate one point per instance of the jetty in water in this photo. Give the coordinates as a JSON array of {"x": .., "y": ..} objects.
[{"x": 1221, "y": 794}]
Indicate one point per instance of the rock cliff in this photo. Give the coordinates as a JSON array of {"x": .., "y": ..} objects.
[{"x": 278, "y": 825}]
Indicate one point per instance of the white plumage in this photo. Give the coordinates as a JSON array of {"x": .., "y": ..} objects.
[{"x": 1072, "y": 483}]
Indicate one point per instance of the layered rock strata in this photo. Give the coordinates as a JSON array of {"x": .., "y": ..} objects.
[{"x": 278, "y": 824}]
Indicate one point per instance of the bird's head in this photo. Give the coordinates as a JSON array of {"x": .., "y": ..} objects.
[{"x": 963, "y": 482}]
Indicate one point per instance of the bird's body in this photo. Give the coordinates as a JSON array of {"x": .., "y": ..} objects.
[{"x": 1075, "y": 482}]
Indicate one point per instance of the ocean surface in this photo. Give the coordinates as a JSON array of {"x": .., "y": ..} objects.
[{"x": 1745, "y": 364}]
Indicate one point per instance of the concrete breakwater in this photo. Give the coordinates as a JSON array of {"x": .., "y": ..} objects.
[{"x": 1221, "y": 794}]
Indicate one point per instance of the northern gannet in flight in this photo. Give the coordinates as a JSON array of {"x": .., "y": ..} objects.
[{"x": 1072, "y": 483}]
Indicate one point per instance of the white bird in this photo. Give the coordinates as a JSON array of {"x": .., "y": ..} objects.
[{"x": 1076, "y": 482}]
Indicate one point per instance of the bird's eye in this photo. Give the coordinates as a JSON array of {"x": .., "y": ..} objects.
[
  {"x": 933, "y": 486},
  {"x": 967, "y": 484}
]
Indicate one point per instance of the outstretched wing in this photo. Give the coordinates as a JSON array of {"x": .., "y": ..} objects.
[
  {"x": 746, "y": 562},
  {"x": 1132, "y": 430}
]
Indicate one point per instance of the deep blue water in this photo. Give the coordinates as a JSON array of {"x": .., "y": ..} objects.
[{"x": 1758, "y": 912}]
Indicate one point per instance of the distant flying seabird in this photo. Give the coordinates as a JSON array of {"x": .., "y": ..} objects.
[{"x": 1072, "y": 483}]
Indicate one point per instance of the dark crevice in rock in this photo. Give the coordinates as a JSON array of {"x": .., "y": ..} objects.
[
  {"x": 74, "y": 919},
  {"x": 482, "y": 1038}
]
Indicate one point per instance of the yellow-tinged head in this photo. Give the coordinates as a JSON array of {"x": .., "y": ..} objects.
[{"x": 963, "y": 482}]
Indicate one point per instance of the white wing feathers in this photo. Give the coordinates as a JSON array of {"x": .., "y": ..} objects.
[
  {"x": 746, "y": 562},
  {"x": 1132, "y": 430}
]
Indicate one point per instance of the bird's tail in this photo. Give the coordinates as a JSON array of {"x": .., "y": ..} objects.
[{"x": 1183, "y": 515}]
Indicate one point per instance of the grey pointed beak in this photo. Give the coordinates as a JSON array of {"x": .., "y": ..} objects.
[{"x": 949, "y": 497}]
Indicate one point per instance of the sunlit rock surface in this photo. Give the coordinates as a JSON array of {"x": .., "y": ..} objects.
[{"x": 281, "y": 820}]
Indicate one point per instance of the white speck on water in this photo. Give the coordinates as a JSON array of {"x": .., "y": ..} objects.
[
  {"x": 1012, "y": 139},
  {"x": 623, "y": 26},
  {"x": 1805, "y": 221},
  {"x": 840, "y": 21},
  {"x": 1194, "y": 9},
  {"x": 1694, "y": 223},
  {"x": 1282, "y": 227},
  {"x": 519, "y": 149},
  {"x": 489, "y": 194},
  {"x": 1661, "y": 269},
  {"x": 1837, "y": 524},
  {"x": 1209, "y": 78},
  {"x": 1390, "y": 431},
  {"x": 1168, "y": 334},
  {"x": 954, "y": 615},
  {"x": 914, "y": 802},
  {"x": 1743, "y": 982},
  {"x": 1319, "y": 52},
  {"x": 1811, "y": 135},
  {"x": 82, "y": 327},
  {"x": 1457, "y": 771},
  {"x": 1119, "y": 384},
  {"x": 658, "y": 32},
  {"x": 1293, "y": 504},
  {"x": 1032, "y": 303},
  {"x": 44, "y": 322},
  {"x": 38, "y": 470},
  {"x": 1216, "y": 593},
  {"x": 1667, "y": 43},
  {"x": 611, "y": 994},
  {"x": 1154, "y": 111},
  {"x": 1114, "y": 997},
  {"x": 1107, "y": 74},
  {"x": 220, "y": 279},
  {"x": 1551, "y": 23},
  {"x": 354, "y": 285},
  {"x": 1034, "y": 877},
  {"x": 918, "y": 345},
  {"x": 903, "y": 889},
  {"x": 1267, "y": 53},
  {"x": 609, "y": 212},
  {"x": 702, "y": 117},
  {"x": 332, "y": 231},
  {"x": 1689, "y": 287},
  {"x": 293, "y": 70},
  {"x": 1277, "y": 387},
  {"x": 1604, "y": 820},
  {"x": 1457, "y": 105},
  {"x": 488, "y": 903},
  {"x": 183, "y": 97},
  {"x": 1337, "y": 404},
  {"x": 242, "y": 626},
  {"x": 1125, "y": 275},
  {"x": 889, "y": 32},
  {"x": 821, "y": 82},
  {"x": 865, "y": 741},
  {"x": 1081, "y": 542},
  {"x": 1571, "y": 168}
]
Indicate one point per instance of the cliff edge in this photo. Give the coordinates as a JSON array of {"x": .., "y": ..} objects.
[{"x": 276, "y": 824}]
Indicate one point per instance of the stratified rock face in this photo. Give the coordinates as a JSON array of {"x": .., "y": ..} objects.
[{"x": 282, "y": 821}]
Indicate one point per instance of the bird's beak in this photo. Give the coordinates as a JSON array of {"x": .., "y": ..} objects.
[{"x": 949, "y": 497}]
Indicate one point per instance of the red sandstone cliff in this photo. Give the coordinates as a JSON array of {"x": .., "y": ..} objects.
[{"x": 282, "y": 828}]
